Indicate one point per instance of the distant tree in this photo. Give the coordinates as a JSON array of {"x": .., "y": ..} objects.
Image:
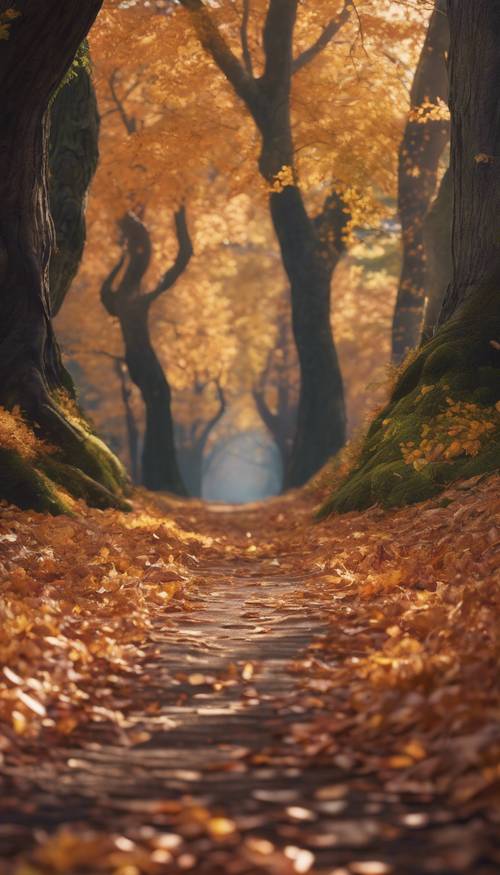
[
  {"x": 276, "y": 392},
  {"x": 438, "y": 264},
  {"x": 123, "y": 297},
  {"x": 193, "y": 434},
  {"x": 425, "y": 137}
]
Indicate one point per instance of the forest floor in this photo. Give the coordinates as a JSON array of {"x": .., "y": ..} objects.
[{"x": 193, "y": 688}]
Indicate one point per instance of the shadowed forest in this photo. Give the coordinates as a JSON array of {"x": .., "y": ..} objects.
[{"x": 249, "y": 437}]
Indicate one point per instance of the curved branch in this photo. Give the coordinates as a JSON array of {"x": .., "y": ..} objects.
[
  {"x": 325, "y": 37},
  {"x": 107, "y": 291},
  {"x": 269, "y": 418},
  {"x": 184, "y": 253}
]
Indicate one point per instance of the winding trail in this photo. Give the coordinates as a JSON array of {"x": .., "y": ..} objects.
[{"x": 214, "y": 756}]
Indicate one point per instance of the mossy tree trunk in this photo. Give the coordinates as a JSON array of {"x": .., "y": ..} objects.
[
  {"x": 73, "y": 157},
  {"x": 421, "y": 148},
  {"x": 43, "y": 38},
  {"x": 462, "y": 361},
  {"x": 310, "y": 247},
  {"x": 124, "y": 298}
]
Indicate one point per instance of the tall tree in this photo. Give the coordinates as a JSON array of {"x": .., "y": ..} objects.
[
  {"x": 310, "y": 246},
  {"x": 457, "y": 373},
  {"x": 125, "y": 299},
  {"x": 424, "y": 139},
  {"x": 42, "y": 39}
]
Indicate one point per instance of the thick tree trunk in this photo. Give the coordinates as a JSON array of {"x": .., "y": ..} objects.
[
  {"x": 475, "y": 149},
  {"x": 73, "y": 156},
  {"x": 41, "y": 46},
  {"x": 419, "y": 155},
  {"x": 462, "y": 361},
  {"x": 438, "y": 267},
  {"x": 320, "y": 418}
]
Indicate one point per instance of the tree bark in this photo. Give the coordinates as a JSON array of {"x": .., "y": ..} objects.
[
  {"x": 48, "y": 34},
  {"x": 320, "y": 430},
  {"x": 475, "y": 149},
  {"x": 131, "y": 305},
  {"x": 437, "y": 240},
  {"x": 419, "y": 154},
  {"x": 73, "y": 157}
]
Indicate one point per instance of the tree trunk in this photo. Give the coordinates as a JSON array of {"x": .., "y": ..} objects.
[
  {"x": 47, "y": 34},
  {"x": 462, "y": 361},
  {"x": 73, "y": 156},
  {"x": 320, "y": 418},
  {"x": 40, "y": 46},
  {"x": 131, "y": 306},
  {"x": 419, "y": 154},
  {"x": 437, "y": 238},
  {"x": 159, "y": 463},
  {"x": 475, "y": 149}
]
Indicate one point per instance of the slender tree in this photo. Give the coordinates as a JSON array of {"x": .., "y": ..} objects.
[
  {"x": 192, "y": 436},
  {"x": 276, "y": 392},
  {"x": 123, "y": 297},
  {"x": 421, "y": 148},
  {"x": 310, "y": 246}
]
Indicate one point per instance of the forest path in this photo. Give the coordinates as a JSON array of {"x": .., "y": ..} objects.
[{"x": 213, "y": 766}]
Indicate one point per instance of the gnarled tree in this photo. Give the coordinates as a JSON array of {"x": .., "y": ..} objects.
[
  {"x": 124, "y": 298},
  {"x": 43, "y": 38}
]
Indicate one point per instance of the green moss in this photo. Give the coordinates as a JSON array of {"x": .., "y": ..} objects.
[
  {"x": 22, "y": 484},
  {"x": 79, "y": 485}
]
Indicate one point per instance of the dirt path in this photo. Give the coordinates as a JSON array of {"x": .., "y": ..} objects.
[{"x": 212, "y": 773}]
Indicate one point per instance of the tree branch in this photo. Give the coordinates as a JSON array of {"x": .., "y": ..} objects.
[
  {"x": 184, "y": 253},
  {"x": 128, "y": 121},
  {"x": 325, "y": 37},
  {"x": 107, "y": 290},
  {"x": 216, "y": 46},
  {"x": 215, "y": 419}
]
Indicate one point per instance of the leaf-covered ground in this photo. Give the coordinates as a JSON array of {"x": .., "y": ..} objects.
[{"x": 207, "y": 690}]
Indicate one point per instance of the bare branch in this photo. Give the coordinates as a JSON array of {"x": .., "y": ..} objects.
[
  {"x": 184, "y": 253},
  {"x": 325, "y": 37},
  {"x": 128, "y": 121}
]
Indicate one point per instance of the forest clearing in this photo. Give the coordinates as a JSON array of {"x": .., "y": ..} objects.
[{"x": 249, "y": 437}]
